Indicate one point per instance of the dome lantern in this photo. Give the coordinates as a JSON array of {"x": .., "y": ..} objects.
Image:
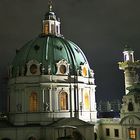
[{"x": 51, "y": 24}]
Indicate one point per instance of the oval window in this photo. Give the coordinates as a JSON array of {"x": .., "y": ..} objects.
[
  {"x": 63, "y": 69},
  {"x": 33, "y": 68}
]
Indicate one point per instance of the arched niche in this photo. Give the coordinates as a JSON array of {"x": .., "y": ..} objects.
[{"x": 63, "y": 100}]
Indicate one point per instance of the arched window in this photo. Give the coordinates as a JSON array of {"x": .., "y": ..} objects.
[
  {"x": 86, "y": 99},
  {"x": 95, "y": 136},
  {"x": 33, "y": 102},
  {"x": 130, "y": 106},
  {"x": 63, "y": 101},
  {"x": 46, "y": 28},
  {"x": 132, "y": 133},
  {"x": 52, "y": 28},
  {"x": 57, "y": 30}
]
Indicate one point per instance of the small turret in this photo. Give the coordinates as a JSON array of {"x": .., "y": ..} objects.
[
  {"x": 128, "y": 54},
  {"x": 129, "y": 66}
]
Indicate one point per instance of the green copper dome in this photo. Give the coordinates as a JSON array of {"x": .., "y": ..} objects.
[
  {"x": 47, "y": 51},
  {"x": 50, "y": 53}
]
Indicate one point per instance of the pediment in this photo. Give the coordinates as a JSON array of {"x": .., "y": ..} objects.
[{"x": 130, "y": 120}]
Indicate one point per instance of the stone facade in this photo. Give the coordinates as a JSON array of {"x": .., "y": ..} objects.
[{"x": 51, "y": 90}]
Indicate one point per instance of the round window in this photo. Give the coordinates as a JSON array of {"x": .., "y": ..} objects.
[
  {"x": 33, "y": 68},
  {"x": 63, "y": 69}
]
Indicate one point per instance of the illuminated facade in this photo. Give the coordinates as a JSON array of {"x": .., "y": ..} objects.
[{"x": 51, "y": 89}]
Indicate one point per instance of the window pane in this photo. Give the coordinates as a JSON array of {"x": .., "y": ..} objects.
[
  {"x": 116, "y": 132},
  {"x": 132, "y": 133},
  {"x": 107, "y": 132},
  {"x": 46, "y": 28}
]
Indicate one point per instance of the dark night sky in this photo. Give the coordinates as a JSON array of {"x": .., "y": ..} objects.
[{"x": 99, "y": 27}]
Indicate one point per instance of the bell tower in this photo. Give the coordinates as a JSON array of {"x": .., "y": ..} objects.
[{"x": 129, "y": 66}]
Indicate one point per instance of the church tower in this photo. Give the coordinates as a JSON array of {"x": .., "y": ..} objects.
[
  {"x": 130, "y": 111},
  {"x": 129, "y": 66}
]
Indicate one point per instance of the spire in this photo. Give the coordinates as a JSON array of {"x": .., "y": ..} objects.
[{"x": 50, "y": 5}]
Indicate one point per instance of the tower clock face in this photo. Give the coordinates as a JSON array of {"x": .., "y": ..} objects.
[{"x": 33, "y": 69}]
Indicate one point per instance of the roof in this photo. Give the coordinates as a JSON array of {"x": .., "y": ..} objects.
[
  {"x": 70, "y": 122},
  {"x": 127, "y": 48},
  {"x": 49, "y": 50}
]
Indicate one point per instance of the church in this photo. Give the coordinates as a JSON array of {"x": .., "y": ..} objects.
[{"x": 51, "y": 92}]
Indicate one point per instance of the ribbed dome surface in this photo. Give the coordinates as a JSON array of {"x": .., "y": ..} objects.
[{"x": 48, "y": 50}]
